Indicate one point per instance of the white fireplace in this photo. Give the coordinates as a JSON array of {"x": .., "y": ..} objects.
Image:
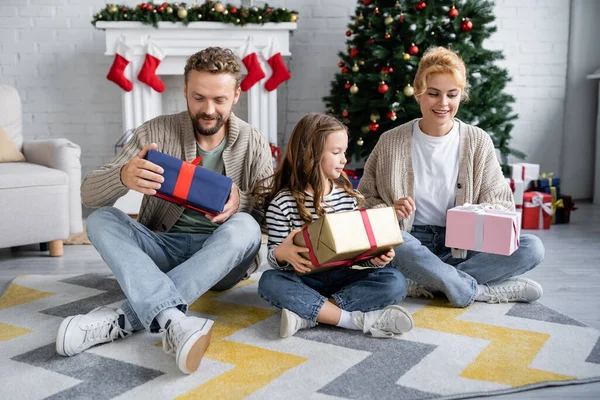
[{"x": 179, "y": 42}]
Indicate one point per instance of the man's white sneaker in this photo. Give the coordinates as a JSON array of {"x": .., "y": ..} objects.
[
  {"x": 514, "y": 289},
  {"x": 80, "y": 332},
  {"x": 292, "y": 323},
  {"x": 415, "y": 290},
  {"x": 384, "y": 323},
  {"x": 188, "y": 338}
]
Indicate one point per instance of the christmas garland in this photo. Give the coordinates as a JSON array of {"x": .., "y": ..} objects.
[{"x": 152, "y": 14}]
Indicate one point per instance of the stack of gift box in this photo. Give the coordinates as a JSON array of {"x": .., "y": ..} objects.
[{"x": 538, "y": 197}]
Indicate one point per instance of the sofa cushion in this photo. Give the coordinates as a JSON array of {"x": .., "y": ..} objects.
[
  {"x": 8, "y": 150},
  {"x": 11, "y": 114},
  {"x": 24, "y": 174}
]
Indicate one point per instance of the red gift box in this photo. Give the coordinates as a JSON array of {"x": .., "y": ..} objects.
[{"x": 537, "y": 210}]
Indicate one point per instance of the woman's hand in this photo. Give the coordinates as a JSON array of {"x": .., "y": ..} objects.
[
  {"x": 384, "y": 259},
  {"x": 288, "y": 252},
  {"x": 404, "y": 207}
]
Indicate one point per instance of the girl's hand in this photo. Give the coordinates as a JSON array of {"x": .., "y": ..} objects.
[
  {"x": 288, "y": 252},
  {"x": 384, "y": 259},
  {"x": 404, "y": 207}
]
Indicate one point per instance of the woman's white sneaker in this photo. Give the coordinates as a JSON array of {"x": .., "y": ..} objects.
[
  {"x": 80, "y": 332},
  {"x": 514, "y": 290},
  {"x": 188, "y": 338}
]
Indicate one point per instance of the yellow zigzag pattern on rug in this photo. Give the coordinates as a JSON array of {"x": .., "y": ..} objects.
[
  {"x": 505, "y": 360},
  {"x": 255, "y": 367}
]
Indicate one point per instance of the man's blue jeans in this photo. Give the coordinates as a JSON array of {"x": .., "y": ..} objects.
[
  {"x": 352, "y": 290},
  {"x": 424, "y": 258},
  {"x": 160, "y": 270}
]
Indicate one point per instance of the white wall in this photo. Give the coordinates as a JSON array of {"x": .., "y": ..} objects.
[{"x": 54, "y": 56}]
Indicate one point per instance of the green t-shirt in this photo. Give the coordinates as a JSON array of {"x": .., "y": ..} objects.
[{"x": 192, "y": 221}]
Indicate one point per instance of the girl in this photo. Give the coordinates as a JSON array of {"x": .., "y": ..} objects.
[
  {"x": 431, "y": 164},
  {"x": 309, "y": 183}
]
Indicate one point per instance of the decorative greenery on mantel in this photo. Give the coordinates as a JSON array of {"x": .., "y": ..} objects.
[{"x": 214, "y": 11}]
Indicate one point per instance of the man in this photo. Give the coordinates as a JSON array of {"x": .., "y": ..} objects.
[{"x": 171, "y": 255}]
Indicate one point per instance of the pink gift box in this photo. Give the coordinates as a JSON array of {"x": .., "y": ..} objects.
[{"x": 480, "y": 228}]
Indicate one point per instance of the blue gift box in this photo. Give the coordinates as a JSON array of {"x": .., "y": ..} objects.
[
  {"x": 545, "y": 185},
  {"x": 190, "y": 185}
]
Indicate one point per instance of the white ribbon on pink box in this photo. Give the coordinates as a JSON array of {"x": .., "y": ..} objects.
[{"x": 466, "y": 229}]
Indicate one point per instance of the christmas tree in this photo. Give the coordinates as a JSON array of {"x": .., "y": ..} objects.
[{"x": 372, "y": 93}]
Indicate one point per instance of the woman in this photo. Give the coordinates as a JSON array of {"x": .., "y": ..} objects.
[{"x": 431, "y": 164}]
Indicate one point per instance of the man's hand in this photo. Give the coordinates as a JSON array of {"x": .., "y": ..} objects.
[
  {"x": 404, "y": 207},
  {"x": 231, "y": 207},
  {"x": 288, "y": 252},
  {"x": 141, "y": 175},
  {"x": 384, "y": 259}
]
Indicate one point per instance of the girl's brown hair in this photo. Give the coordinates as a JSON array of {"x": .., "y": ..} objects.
[{"x": 301, "y": 166}]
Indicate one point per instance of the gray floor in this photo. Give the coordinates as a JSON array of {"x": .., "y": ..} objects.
[{"x": 570, "y": 276}]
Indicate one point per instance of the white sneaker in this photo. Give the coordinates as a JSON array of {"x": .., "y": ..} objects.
[
  {"x": 415, "y": 290},
  {"x": 80, "y": 332},
  {"x": 384, "y": 323},
  {"x": 188, "y": 338},
  {"x": 292, "y": 323},
  {"x": 514, "y": 289}
]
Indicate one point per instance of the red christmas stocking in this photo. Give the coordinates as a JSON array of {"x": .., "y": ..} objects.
[
  {"x": 255, "y": 71},
  {"x": 117, "y": 70},
  {"x": 280, "y": 72},
  {"x": 154, "y": 56}
]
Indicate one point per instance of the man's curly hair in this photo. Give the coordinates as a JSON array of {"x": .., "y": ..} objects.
[{"x": 215, "y": 60}]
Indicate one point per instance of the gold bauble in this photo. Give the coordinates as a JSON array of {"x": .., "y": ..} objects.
[
  {"x": 293, "y": 17},
  {"x": 408, "y": 90},
  {"x": 360, "y": 17},
  {"x": 388, "y": 20},
  {"x": 354, "y": 89},
  {"x": 169, "y": 10},
  {"x": 365, "y": 129},
  {"x": 244, "y": 12},
  {"x": 182, "y": 13},
  {"x": 360, "y": 141},
  {"x": 219, "y": 7},
  {"x": 374, "y": 117},
  {"x": 355, "y": 68},
  {"x": 406, "y": 56},
  {"x": 112, "y": 8},
  {"x": 199, "y": 16}
]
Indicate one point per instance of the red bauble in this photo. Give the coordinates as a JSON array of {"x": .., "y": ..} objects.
[
  {"x": 392, "y": 115},
  {"x": 345, "y": 70},
  {"x": 233, "y": 10},
  {"x": 387, "y": 35},
  {"x": 453, "y": 13},
  {"x": 160, "y": 8},
  {"x": 149, "y": 7},
  {"x": 376, "y": 12},
  {"x": 143, "y": 6},
  {"x": 382, "y": 88},
  {"x": 371, "y": 40},
  {"x": 123, "y": 9},
  {"x": 387, "y": 70},
  {"x": 401, "y": 19},
  {"x": 345, "y": 113},
  {"x": 374, "y": 126},
  {"x": 354, "y": 52},
  {"x": 347, "y": 85},
  {"x": 466, "y": 25},
  {"x": 421, "y": 5},
  {"x": 413, "y": 50},
  {"x": 367, "y": 2},
  {"x": 348, "y": 33},
  {"x": 340, "y": 64}
]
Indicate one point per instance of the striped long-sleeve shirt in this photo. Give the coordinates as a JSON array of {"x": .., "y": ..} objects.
[{"x": 283, "y": 216}]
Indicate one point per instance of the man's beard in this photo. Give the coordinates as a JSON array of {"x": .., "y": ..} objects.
[{"x": 219, "y": 122}]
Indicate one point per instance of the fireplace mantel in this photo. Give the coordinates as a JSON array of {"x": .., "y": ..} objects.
[{"x": 179, "y": 41}]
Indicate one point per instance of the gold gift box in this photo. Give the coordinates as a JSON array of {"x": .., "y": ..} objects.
[{"x": 339, "y": 237}]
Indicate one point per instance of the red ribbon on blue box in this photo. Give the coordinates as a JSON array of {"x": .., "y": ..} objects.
[{"x": 191, "y": 186}]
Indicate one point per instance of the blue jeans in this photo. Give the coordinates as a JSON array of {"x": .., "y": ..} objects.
[
  {"x": 424, "y": 258},
  {"x": 352, "y": 290},
  {"x": 158, "y": 270}
]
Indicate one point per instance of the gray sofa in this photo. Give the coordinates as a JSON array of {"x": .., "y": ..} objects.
[{"x": 40, "y": 200}]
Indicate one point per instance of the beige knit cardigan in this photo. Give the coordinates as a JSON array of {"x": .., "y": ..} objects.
[
  {"x": 246, "y": 157},
  {"x": 389, "y": 175}
]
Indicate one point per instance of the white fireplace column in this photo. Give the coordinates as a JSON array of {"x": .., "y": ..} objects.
[{"x": 179, "y": 42}]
